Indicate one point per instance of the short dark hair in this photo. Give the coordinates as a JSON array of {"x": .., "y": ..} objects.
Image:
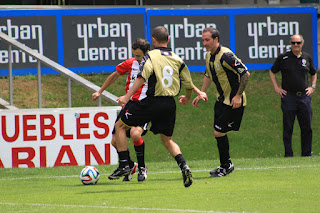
[
  {"x": 214, "y": 32},
  {"x": 142, "y": 44},
  {"x": 161, "y": 34}
]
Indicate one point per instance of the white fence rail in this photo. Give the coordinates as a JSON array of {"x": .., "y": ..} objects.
[{"x": 41, "y": 59}]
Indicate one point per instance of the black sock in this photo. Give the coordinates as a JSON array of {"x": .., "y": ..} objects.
[
  {"x": 123, "y": 158},
  {"x": 180, "y": 160},
  {"x": 140, "y": 155},
  {"x": 223, "y": 147},
  {"x": 129, "y": 159},
  {"x": 131, "y": 163}
]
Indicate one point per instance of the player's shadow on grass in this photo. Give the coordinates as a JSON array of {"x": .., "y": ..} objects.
[
  {"x": 109, "y": 191},
  {"x": 107, "y": 183},
  {"x": 195, "y": 177}
]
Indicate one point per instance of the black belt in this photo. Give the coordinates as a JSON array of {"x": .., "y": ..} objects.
[{"x": 297, "y": 93}]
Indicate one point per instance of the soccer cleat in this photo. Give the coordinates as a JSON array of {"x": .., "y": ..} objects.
[
  {"x": 222, "y": 171},
  {"x": 187, "y": 176},
  {"x": 128, "y": 177},
  {"x": 119, "y": 172},
  {"x": 142, "y": 174}
]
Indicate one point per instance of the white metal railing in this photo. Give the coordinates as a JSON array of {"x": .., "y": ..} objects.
[{"x": 48, "y": 62}]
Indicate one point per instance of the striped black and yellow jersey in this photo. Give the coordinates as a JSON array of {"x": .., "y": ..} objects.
[
  {"x": 225, "y": 70},
  {"x": 165, "y": 72}
]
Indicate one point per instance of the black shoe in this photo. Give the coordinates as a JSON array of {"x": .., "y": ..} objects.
[
  {"x": 119, "y": 172},
  {"x": 128, "y": 177},
  {"x": 222, "y": 171},
  {"x": 142, "y": 174},
  {"x": 187, "y": 176},
  {"x": 309, "y": 155}
]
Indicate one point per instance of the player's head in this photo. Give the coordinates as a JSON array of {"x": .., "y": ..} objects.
[
  {"x": 210, "y": 38},
  {"x": 213, "y": 31},
  {"x": 160, "y": 36},
  {"x": 139, "y": 48},
  {"x": 296, "y": 42}
]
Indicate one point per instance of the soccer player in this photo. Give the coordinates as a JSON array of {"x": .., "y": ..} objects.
[
  {"x": 165, "y": 72},
  {"x": 230, "y": 76},
  {"x": 131, "y": 66}
]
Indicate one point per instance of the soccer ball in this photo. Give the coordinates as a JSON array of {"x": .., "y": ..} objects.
[{"x": 89, "y": 175}]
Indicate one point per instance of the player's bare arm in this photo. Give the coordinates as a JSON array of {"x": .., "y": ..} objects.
[
  {"x": 205, "y": 85},
  {"x": 110, "y": 80},
  {"x": 123, "y": 100},
  {"x": 237, "y": 99},
  {"x": 200, "y": 94},
  {"x": 184, "y": 99}
]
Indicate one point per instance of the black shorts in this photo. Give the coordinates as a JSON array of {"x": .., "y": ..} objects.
[
  {"x": 122, "y": 112},
  {"x": 161, "y": 111},
  {"x": 227, "y": 119}
]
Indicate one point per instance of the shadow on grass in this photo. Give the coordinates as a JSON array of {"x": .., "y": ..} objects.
[{"x": 116, "y": 191}]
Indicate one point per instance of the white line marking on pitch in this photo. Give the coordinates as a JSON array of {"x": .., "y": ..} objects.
[
  {"x": 257, "y": 168},
  {"x": 108, "y": 207},
  {"x": 164, "y": 172}
]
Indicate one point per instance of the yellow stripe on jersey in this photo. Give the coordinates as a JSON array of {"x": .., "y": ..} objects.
[
  {"x": 225, "y": 69},
  {"x": 165, "y": 71}
]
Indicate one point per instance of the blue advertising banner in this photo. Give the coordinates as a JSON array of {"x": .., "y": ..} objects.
[
  {"x": 83, "y": 40},
  {"x": 256, "y": 35},
  {"x": 96, "y": 40}
]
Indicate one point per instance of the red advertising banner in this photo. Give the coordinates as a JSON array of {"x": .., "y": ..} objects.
[{"x": 57, "y": 137}]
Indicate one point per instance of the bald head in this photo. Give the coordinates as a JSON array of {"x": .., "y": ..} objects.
[
  {"x": 160, "y": 34},
  {"x": 296, "y": 36}
]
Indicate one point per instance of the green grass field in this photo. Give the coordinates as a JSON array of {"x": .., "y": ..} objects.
[
  {"x": 263, "y": 180},
  {"x": 256, "y": 185}
]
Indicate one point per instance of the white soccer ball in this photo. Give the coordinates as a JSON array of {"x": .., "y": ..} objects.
[{"x": 89, "y": 175}]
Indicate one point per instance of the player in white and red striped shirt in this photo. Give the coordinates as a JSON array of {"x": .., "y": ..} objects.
[{"x": 131, "y": 66}]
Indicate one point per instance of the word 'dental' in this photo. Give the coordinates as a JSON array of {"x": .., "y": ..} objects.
[
  {"x": 111, "y": 50},
  {"x": 22, "y": 32},
  {"x": 263, "y": 30}
]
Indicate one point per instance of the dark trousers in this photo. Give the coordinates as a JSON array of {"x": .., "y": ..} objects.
[{"x": 300, "y": 106}]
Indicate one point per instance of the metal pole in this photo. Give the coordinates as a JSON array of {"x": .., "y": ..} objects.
[
  {"x": 10, "y": 76},
  {"x": 39, "y": 84},
  {"x": 69, "y": 93},
  {"x": 99, "y": 101}
]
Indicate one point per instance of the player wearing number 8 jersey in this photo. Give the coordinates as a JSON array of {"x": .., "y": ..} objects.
[
  {"x": 165, "y": 72},
  {"x": 163, "y": 80}
]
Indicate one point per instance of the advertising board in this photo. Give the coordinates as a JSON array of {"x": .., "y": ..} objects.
[
  {"x": 83, "y": 40},
  {"x": 96, "y": 40},
  {"x": 256, "y": 35},
  {"x": 57, "y": 137}
]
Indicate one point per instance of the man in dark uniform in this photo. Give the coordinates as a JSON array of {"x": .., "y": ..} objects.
[
  {"x": 295, "y": 66},
  {"x": 165, "y": 71},
  {"x": 230, "y": 76}
]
